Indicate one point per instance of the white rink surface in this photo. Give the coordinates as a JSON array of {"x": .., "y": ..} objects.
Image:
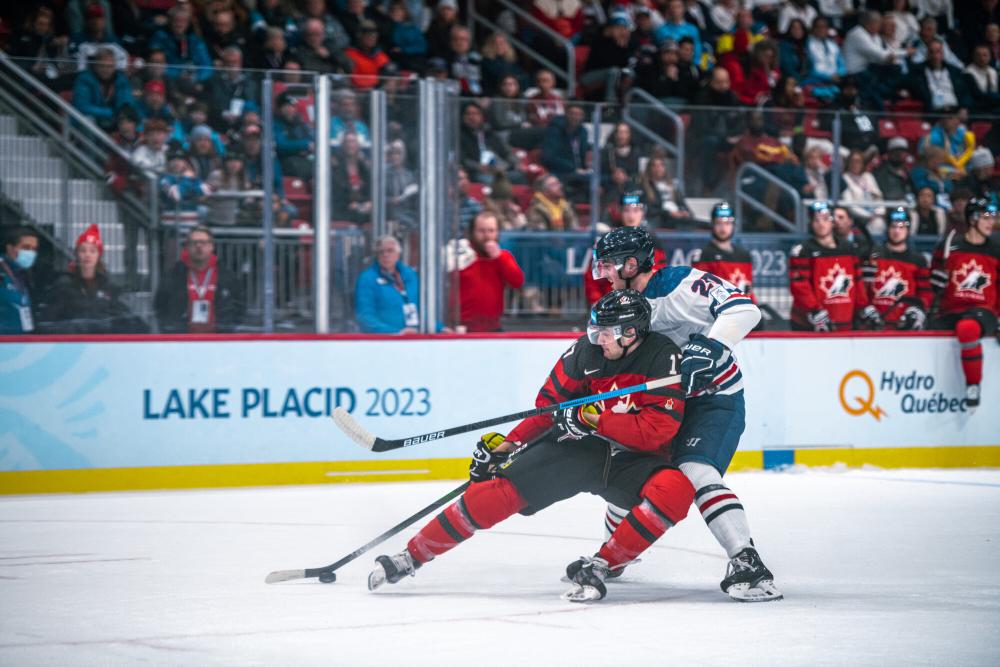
[{"x": 879, "y": 568}]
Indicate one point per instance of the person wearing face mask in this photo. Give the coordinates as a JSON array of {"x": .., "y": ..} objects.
[{"x": 16, "y": 313}]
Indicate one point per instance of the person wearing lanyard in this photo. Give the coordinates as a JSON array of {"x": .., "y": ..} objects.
[
  {"x": 198, "y": 295},
  {"x": 385, "y": 296},
  {"x": 15, "y": 305}
]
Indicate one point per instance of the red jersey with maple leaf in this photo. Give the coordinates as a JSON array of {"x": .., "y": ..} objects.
[
  {"x": 828, "y": 278},
  {"x": 735, "y": 267},
  {"x": 966, "y": 275},
  {"x": 901, "y": 278},
  {"x": 645, "y": 421}
]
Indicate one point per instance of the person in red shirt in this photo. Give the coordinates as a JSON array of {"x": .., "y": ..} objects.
[
  {"x": 900, "y": 285},
  {"x": 724, "y": 258},
  {"x": 825, "y": 280},
  {"x": 614, "y": 448},
  {"x": 367, "y": 57},
  {"x": 484, "y": 270},
  {"x": 966, "y": 270}
]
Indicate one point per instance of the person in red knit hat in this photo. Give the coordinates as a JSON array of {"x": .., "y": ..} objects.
[{"x": 484, "y": 270}]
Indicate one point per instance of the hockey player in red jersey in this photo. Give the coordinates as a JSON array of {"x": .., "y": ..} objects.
[
  {"x": 614, "y": 449},
  {"x": 724, "y": 258},
  {"x": 900, "y": 287},
  {"x": 966, "y": 271},
  {"x": 825, "y": 280}
]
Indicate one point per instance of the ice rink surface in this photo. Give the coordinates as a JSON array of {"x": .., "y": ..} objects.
[{"x": 878, "y": 568}]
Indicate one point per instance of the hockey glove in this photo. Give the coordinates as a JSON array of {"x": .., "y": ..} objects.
[
  {"x": 869, "y": 318},
  {"x": 913, "y": 318},
  {"x": 702, "y": 358},
  {"x": 820, "y": 320},
  {"x": 573, "y": 424},
  {"x": 484, "y": 459}
]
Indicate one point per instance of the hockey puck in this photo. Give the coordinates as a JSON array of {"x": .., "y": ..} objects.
[{"x": 327, "y": 577}]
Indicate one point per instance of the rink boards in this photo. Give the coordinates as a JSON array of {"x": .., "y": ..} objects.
[{"x": 85, "y": 414}]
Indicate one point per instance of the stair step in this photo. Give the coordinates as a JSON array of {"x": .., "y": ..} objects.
[
  {"x": 8, "y": 125},
  {"x": 30, "y": 167},
  {"x": 14, "y": 147},
  {"x": 51, "y": 188}
]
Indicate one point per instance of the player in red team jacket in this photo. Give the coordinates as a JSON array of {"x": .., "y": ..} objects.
[
  {"x": 965, "y": 275},
  {"x": 724, "y": 258},
  {"x": 825, "y": 280},
  {"x": 615, "y": 449},
  {"x": 900, "y": 285}
]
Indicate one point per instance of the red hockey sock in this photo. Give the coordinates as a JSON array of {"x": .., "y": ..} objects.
[
  {"x": 666, "y": 496},
  {"x": 969, "y": 333},
  {"x": 483, "y": 505}
]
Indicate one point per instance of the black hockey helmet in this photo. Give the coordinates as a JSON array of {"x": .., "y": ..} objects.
[
  {"x": 632, "y": 198},
  {"x": 619, "y": 244},
  {"x": 818, "y": 207},
  {"x": 617, "y": 311},
  {"x": 977, "y": 207},
  {"x": 722, "y": 210}
]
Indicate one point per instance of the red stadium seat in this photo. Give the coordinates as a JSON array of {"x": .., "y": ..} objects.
[
  {"x": 980, "y": 128},
  {"x": 913, "y": 129},
  {"x": 887, "y": 129},
  {"x": 522, "y": 195},
  {"x": 812, "y": 128},
  {"x": 907, "y": 106},
  {"x": 582, "y": 53},
  {"x": 477, "y": 191},
  {"x": 297, "y": 193}
]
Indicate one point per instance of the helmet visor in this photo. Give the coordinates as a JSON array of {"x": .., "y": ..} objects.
[
  {"x": 600, "y": 334},
  {"x": 604, "y": 268}
]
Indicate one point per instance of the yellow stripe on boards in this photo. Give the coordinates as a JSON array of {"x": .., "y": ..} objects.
[{"x": 903, "y": 457}]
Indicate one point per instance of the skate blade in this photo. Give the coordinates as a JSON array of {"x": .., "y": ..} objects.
[
  {"x": 583, "y": 594},
  {"x": 376, "y": 578},
  {"x": 764, "y": 591}
]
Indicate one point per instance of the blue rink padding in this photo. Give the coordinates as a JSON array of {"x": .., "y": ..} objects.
[{"x": 777, "y": 458}]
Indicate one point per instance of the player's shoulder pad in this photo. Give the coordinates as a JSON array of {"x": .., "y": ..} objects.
[
  {"x": 741, "y": 254},
  {"x": 666, "y": 281}
]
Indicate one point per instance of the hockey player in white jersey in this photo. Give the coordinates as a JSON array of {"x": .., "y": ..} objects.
[{"x": 706, "y": 317}]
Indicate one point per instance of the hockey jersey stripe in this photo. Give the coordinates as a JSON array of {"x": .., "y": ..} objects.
[
  {"x": 735, "y": 300},
  {"x": 732, "y": 382}
]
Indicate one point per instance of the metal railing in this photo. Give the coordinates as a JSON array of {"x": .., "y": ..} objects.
[
  {"x": 676, "y": 148},
  {"x": 743, "y": 198}
]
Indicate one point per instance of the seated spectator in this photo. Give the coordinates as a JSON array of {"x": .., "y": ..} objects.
[
  {"x": 891, "y": 174},
  {"x": 926, "y": 38},
  {"x": 438, "y": 33},
  {"x": 198, "y": 295},
  {"x": 545, "y": 102},
  {"x": 274, "y": 14},
  {"x": 367, "y": 59},
  {"x": 100, "y": 92},
  {"x": 550, "y": 211},
  {"x": 565, "y": 18},
  {"x": 981, "y": 181},
  {"x": 317, "y": 53},
  {"x": 41, "y": 50},
  {"x": 690, "y": 70},
  {"x": 351, "y": 177},
  {"x": 346, "y": 119},
  {"x": 792, "y": 55},
  {"x": 274, "y": 54},
  {"x": 992, "y": 39},
  {"x": 825, "y": 61},
  {"x": 468, "y": 207},
  {"x": 732, "y": 48},
  {"x": 334, "y": 32},
  {"x": 353, "y": 13},
  {"x": 786, "y": 109},
  {"x": 719, "y": 129},
  {"x": 180, "y": 187},
  {"x": 660, "y": 76},
  {"x": 982, "y": 78},
  {"x": 153, "y": 104},
  {"x": 929, "y": 216},
  {"x": 762, "y": 76},
  {"x": 955, "y": 216},
  {"x": 887, "y": 32},
  {"x": 126, "y": 133},
  {"x": 232, "y": 91},
  {"x": 96, "y": 35},
  {"x": 155, "y": 69},
  {"x": 499, "y": 60},
  {"x": 222, "y": 32},
  {"x": 187, "y": 57},
  {"x": 928, "y": 173},
  {"x": 871, "y": 62},
  {"x": 508, "y": 116},
  {"x": 500, "y": 202},
  {"x": 796, "y": 10},
  {"x": 465, "y": 64},
  {"x": 84, "y": 300},
  {"x": 294, "y": 141},
  {"x": 134, "y": 25},
  {"x": 407, "y": 44},
  {"x": 665, "y": 204},
  {"x": 610, "y": 54},
  {"x": 676, "y": 26},
  {"x": 858, "y": 129},
  {"x": 206, "y": 154},
  {"x": 816, "y": 174},
  {"x": 907, "y": 28},
  {"x": 151, "y": 154},
  {"x": 484, "y": 271},
  {"x": 860, "y": 187},
  {"x": 565, "y": 149},
  {"x": 620, "y": 153},
  {"x": 950, "y": 134},
  {"x": 482, "y": 153},
  {"x": 17, "y": 314},
  {"x": 938, "y": 85},
  {"x": 387, "y": 293},
  {"x": 402, "y": 190},
  {"x": 224, "y": 211}
]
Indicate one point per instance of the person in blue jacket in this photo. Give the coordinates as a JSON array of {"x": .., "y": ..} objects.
[
  {"x": 387, "y": 292},
  {"x": 16, "y": 309},
  {"x": 187, "y": 55},
  {"x": 100, "y": 92}
]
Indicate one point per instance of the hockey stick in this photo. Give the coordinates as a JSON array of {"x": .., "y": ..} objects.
[
  {"x": 327, "y": 574},
  {"x": 360, "y": 435}
]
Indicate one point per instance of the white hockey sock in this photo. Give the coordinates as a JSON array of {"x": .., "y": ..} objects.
[
  {"x": 613, "y": 516},
  {"x": 719, "y": 507}
]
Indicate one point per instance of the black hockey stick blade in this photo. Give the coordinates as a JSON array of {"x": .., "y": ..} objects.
[
  {"x": 363, "y": 437},
  {"x": 327, "y": 574}
]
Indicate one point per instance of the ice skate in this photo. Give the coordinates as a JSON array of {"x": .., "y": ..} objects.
[
  {"x": 588, "y": 581},
  {"x": 972, "y": 396},
  {"x": 390, "y": 569},
  {"x": 748, "y": 580},
  {"x": 573, "y": 568}
]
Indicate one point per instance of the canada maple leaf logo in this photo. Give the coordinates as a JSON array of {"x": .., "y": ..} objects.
[
  {"x": 622, "y": 404},
  {"x": 837, "y": 283},
  {"x": 890, "y": 285},
  {"x": 970, "y": 279},
  {"x": 738, "y": 278}
]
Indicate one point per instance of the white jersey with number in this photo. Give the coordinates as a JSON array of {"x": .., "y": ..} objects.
[{"x": 687, "y": 301}]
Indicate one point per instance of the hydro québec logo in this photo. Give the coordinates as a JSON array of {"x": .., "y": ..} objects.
[{"x": 906, "y": 393}]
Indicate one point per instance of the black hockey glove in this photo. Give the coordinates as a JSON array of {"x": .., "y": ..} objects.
[
  {"x": 869, "y": 318},
  {"x": 912, "y": 319},
  {"x": 820, "y": 320},
  {"x": 571, "y": 422},
  {"x": 484, "y": 459},
  {"x": 703, "y": 356}
]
